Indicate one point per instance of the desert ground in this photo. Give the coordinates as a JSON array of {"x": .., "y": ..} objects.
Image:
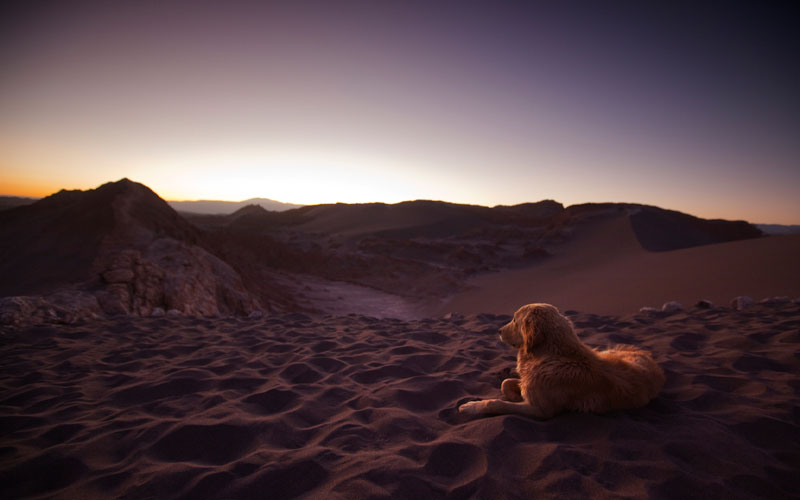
[
  {"x": 322, "y": 352},
  {"x": 353, "y": 407}
]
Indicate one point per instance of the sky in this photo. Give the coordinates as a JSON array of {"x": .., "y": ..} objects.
[{"x": 685, "y": 106}]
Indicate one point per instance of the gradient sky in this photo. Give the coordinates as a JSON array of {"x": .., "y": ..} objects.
[{"x": 686, "y": 107}]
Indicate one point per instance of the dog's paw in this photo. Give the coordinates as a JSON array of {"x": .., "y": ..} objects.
[{"x": 471, "y": 408}]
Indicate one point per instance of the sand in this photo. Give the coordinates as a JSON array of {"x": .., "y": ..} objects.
[
  {"x": 604, "y": 269},
  {"x": 352, "y": 407}
]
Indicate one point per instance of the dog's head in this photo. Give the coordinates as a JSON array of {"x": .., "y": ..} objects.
[{"x": 537, "y": 325}]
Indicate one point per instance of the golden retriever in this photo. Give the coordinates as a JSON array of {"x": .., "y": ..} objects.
[{"x": 559, "y": 373}]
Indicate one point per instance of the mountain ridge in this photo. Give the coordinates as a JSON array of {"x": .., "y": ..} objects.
[
  {"x": 124, "y": 249},
  {"x": 223, "y": 207}
]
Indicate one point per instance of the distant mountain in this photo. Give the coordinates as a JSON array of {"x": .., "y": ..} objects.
[
  {"x": 409, "y": 219},
  {"x": 657, "y": 229},
  {"x": 544, "y": 208},
  {"x": 779, "y": 228},
  {"x": 228, "y": 207},
  {"x": 426, "y": 249},
  {"x": 7, "y": 202}
]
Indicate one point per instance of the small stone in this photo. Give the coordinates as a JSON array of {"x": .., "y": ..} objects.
[
  {"x": 255, "y": 315},
  {"x": 672, "y": 307},
  {"x": 172, "y": 313},
  {"x": 648, "y": 310},
  {"x": 742, "y": 302},
  {"x": 157, "y": 312},
  {"x": 704, "y": 304}
]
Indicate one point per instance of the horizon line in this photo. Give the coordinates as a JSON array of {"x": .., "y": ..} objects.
[{"x": 301, "y": 205}]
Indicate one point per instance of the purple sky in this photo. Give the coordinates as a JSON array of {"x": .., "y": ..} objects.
[{"x": 686, "y": 107}]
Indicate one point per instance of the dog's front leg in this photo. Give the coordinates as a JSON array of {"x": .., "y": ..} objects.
[
  {"x": 511, "y": 389},
  {"x": 500, "y": 407}
]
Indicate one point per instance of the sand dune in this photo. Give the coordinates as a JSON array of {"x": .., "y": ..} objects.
[
  {"x": 604, "y": 269},
  {"x": 295, "y": 406}
]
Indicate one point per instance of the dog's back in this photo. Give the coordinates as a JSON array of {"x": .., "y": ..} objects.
[{"x": 634, "y": 378}]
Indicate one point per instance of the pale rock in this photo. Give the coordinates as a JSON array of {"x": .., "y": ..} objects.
[
  {"x": 648, "y": 310},
  {"x": 173, "y": 313},
  {"x": 170, "y": 274},
  {"x": 742, "y": 302},
  {"x": 671, "y": 307},
  {"x": 157, "y": 312}
]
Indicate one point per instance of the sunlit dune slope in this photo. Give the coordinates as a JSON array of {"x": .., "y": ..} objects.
[{"x": 605, "y": 269}]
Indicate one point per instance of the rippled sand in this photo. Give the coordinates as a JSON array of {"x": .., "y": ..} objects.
[{"x": 351, "y": 407}]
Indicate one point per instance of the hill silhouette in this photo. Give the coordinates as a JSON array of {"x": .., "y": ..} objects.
[
  {"x": 124, "y": 250},
  {"x": 423, "y": 250},
  {"x": 122, "y": 246},
  {"x": 219, "y": 207}
]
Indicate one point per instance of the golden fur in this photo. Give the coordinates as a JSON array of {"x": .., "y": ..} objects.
[{"x": 559, "y": 373}]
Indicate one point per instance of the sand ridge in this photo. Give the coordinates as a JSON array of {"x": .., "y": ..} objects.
[
  {"x": 298, "y": 406},
  {"x": 605, "y": 270}
]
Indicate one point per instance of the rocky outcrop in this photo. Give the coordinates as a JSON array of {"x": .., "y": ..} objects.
[
  {"x": 65, "y": 306},
  {"x": 118, "y": 249},
  {"x": 672, "y": 307},
  {"x": 171, "y": 275}
]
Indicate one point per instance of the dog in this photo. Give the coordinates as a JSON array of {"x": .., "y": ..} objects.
[{"x": 558, "y": 373}]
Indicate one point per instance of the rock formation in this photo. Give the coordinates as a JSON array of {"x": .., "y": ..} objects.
[{"x": 118, "y": 249}]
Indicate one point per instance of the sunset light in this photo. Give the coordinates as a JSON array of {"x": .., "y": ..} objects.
[{"x": 475, "y": 105}]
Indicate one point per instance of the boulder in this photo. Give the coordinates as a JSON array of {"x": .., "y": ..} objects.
[
  {"x": 169, "y": 274},
  {"x": 742, "y": 302},
  {"x": 672, "y": 307}
]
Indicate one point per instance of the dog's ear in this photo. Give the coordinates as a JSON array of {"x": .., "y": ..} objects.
[{"x": 529, "y": 328}]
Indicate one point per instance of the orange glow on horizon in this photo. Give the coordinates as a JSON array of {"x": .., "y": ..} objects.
[
  {"x": 28, "y": 188},
  {"x": 31, "y": 185}
]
